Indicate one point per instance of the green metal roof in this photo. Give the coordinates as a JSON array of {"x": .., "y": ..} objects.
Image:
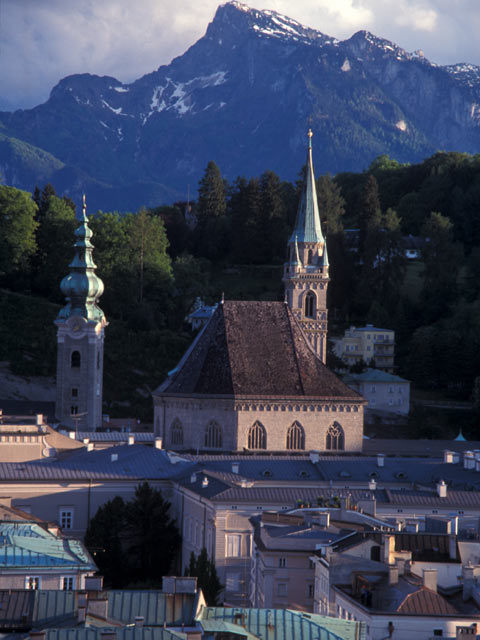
[
  {"x": 82, "y": 287},
  {"x": 156, "y": 607},
  {"x": 122, "y": 633},
  {"x": 307, "y": 225},
  {"x": 31, "y": 547},
  {"x": 284, "y": 624}
]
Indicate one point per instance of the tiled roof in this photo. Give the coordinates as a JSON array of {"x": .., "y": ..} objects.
[
  {"x": 426, "y": 602},
  {"x": 373, "y": 375},
  {"x": 115, "y": 436},
  {"x": 255, "y": 349}
]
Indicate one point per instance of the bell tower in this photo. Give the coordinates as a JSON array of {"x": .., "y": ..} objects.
[
  {"x": 305, "y": 273},
  {"x": 80, "y": 333}
]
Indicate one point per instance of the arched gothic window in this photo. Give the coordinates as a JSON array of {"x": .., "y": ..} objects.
[
  {"x": 335, "y": 437},
  {"x": 310, "y": 304},
  {"x": 257, "y": 436},
  {"x": 213, "y": 435},
  {"x": 177, "y": 432},
  {"x": 75, "y": 359},
  {"x": 296, "y": 436},
  {"x": 310, "y": 257}
]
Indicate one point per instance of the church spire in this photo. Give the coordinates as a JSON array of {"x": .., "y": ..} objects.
[
  {"x": 82, "y": 287},
  {"x": 307, "y": 225}
]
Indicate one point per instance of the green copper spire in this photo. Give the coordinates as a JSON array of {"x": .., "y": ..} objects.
[
  {"x": 82, "y": 287},
  {"x": 307, "y": 224}
]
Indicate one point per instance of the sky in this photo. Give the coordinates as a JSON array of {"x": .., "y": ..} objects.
[{"x": 42, "y": 41}]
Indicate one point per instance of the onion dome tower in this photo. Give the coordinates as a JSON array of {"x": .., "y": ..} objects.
[
  {"x": 305, "y": 273},
  {"x": 80, "y": 335}
]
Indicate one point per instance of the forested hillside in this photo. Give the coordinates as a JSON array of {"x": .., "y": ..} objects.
[{"x": 155, "y": 262}]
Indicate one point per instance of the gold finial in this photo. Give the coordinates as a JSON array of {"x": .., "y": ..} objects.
[
  {"x": 84, "y": 207},
  {"x": 310, "y": 133}
]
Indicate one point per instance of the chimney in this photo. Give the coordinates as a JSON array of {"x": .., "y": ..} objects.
[
  {"x": 131, "y": 438},
  {"x": 448, "y": 456},
  {"x": 204, "y": 483},
  {"x": 93, "y": 583},
  {"x": 372, "y": 484},
  {"x": 99, "y": 607},
  {"x": 139, "y": 621},
  {"x": 442, "y": 489},
  {"x": 466, "y": 633},
  {"x": 468, "y": 576},
  {"x": 39, "y": 419},
  {"x": 388, "y": 548},
  {"x": 380, "y": 459},
  {"x": 90, "y": 446},
  {"x": 235, "y": 467},
  {"x": 452, "y": 547},
  {"x": 468, "y": 460},
  {"x": 81, "y": 614},
  {"x": 158, "y": 443},
  {"x": 430, "y": 579},
  {"x": 71, "y": 435},
  {"x": 392, "y": 574},
  {"x": 401, "y": 566},
  {"x": 193, "y": 478},
  {"x": 86, "y": 440},
  {"x": 323, "y": 519},
  {"x": 114, "y": 457},
  {"x": 314, "y": 457}
]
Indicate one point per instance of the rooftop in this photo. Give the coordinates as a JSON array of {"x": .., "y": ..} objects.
[{"x": 372, "y": 375}]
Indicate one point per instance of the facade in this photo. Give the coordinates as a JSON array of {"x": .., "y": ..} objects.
[
  {"x": 305, "y": 273},
  {"x": 383, "y": 391},
  {"x": 368, "y": 344},
  {"x": 80, "y": 334}
]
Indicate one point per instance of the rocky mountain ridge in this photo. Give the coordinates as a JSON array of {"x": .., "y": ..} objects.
[{"x": 243, "y": 95}]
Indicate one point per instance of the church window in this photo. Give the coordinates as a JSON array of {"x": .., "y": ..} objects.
[
  {"x": 296, "y": 437},
  {"x": 213, "y": 435},
  {"x": 310, "y": 257},
  {"x": 310, "y": 301},
  {"x": 335, "y": 437},
  {"x": 75, "y": 359},
  {"x": 257, "y": 436},
  {"x": 177, "y": 432}
]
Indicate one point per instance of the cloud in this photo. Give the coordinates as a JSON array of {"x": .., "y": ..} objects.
[{"x": 42, "y": 42}]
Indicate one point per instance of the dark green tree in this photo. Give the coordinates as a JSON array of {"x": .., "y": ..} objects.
[
  {"x": 17, "y": 230},
  {"x": 105, "y": 541},
  {"x": 209, "y": 235},
  {"x": 151, "y": 536},
  {"x": 204, "y": 569}
]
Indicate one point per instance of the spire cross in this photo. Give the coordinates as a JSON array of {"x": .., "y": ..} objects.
[
  {"x": 84, "y": 206},
  {"x": 310, "y": 135}
]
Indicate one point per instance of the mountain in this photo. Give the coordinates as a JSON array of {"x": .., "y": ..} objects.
[{"x": 243, "y": 96}]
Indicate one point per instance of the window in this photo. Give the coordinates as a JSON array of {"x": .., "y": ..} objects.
[
  {"x": 335, "y": 437},
  {"x": 74, "y": 392},
  {"x": 98, "y": 359},
  {"x": 311, "y": 564},
  {"x": 234, "y": 545},
  {"x": 296, "y": 437},
  {"x": 310, "y": 257},
  {"x": 177, "y": 432},
  {"x": 281, "y": 589},
  {"x": 282, "y": 563},
  {"x": 32, "y": 582},
  {"x": 66, "y": 518},
  {"x": 375, "y": 553},
  {"x": 310, "y": 591},
  {"x": 73, "y": 410},
  {"x": 75, "y": 359},
  {"x": 373, "y": 388},
  {"x": 232, "y": 582},
  {"x": 390, "y": 388},
  {"x": 438, "y": 632},
  {"x": 213, "y": 435},
  {"x": 257, "y": 436},
  {"x": 67, "y": 583},
  {"x": 310, "y": 305}
]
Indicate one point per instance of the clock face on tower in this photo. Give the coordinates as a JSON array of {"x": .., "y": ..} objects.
[{"x": 76, "y": 326}]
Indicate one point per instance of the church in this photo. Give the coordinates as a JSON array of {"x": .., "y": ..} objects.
[{"x": 255, "y": 378}]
